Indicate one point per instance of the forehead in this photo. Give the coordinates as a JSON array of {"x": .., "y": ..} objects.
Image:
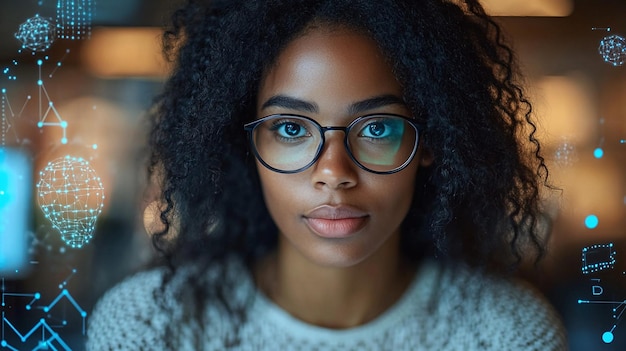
[{"x": 330, "y": 64}]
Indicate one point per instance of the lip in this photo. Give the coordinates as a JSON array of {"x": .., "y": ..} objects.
[{"x": 335, "y": 221}]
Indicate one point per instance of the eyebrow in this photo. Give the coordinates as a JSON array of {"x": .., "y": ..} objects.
[
  {"x": 374, "y": 103},
  {"x": 290, "y": 103},
  {"x": 356, "y": 108}
]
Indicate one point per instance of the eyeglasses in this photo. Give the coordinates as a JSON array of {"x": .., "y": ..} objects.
[{"x": 378, "y": 143}]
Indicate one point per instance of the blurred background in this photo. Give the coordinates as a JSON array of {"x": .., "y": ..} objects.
[{"x": 85, "y": 93}]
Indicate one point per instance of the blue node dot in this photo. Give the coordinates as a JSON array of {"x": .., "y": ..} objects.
[
  {"x": 607, "y": 337},
  {"x": 63, "y": 140},
  {"x": 46, "y": 309},
  {"x": 598, "y": 153},
  {"x": 40, "y": 82},
  {"x": 4, "y": 91},
  {"x": 64, "y": 124},
  {"x": 40, "y": 124},
  {"x": 37, "y": 296},
  {"x": 3, "y": 343},
  {"x": 39, "y": 62},
  {"x": 95, "y": 146},
  {"x": 591, "y": 221},
  {"x": 83, "y": 314},
  {"x": 27, "y": 307}
]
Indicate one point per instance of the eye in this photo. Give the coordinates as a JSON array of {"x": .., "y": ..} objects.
[
  {"x": 376, "y": 129},
  {"x": 289, "y": 129},
  {"x": 381, "y": 128}
]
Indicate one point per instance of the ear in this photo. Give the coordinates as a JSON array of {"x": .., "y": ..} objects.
[
  {"x": 426, "y": 157},
  {"x": 152, "y": 218}
]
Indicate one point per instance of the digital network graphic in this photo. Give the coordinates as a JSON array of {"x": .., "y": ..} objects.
[
  {"x": 74, "y": 19},
  {"x": 37, "y": 33},
  {"x": 73, "y": 22},
  {"x": 565, "y": 153},
  {"x": 597, "y": 258},
  {"x": 71, "y": 196},
  {"x": 612, "y": 47},
  {"x": 48, "y": 114},
  {"x": 72, "y": 208},
  {"x": 599, "y": 261},
  {"x": 48, "y": 320},
  {"x": 68, "y": 190}
]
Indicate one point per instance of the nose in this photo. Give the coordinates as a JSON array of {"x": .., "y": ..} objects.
[{"x": 334, "y": 168}]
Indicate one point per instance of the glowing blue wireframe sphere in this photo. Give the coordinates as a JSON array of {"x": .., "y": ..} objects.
[
  {"x": 71, "y": 196},
  {"x": 36, "y": 34},
  {"x": 613, "y": 49}
]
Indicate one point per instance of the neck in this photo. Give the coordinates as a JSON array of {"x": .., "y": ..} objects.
[{"x": 335, "y": 297}]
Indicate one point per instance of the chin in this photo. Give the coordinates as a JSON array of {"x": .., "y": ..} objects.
[{"x": 337, "y": 257}]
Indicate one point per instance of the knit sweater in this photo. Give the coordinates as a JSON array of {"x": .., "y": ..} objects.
[{"x": 444, "y": 308}]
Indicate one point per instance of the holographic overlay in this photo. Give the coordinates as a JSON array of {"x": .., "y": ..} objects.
[{"x": 71, "y": 196}]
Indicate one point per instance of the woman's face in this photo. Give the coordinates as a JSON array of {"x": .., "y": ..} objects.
[{"x": 335, "y": 213}]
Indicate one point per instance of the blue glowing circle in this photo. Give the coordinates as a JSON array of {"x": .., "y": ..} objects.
[
  {"x": 591, "y": 221},
  {"x": 607, "y": 337},
  {"x": 598, "y": 153}
]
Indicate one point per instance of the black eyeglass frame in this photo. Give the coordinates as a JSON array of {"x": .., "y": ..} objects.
[{"x": 415, "y": 123}]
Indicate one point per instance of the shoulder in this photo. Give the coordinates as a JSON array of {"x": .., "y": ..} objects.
[
  {"x": 129, "y": 316},
  {"x": 139, "y": 312},
  {"x": 500, "y": 312}
]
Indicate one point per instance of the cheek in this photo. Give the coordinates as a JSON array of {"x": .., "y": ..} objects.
[
  {"x": 396, "y": 193},
  {"x": 278, "y": 193}
]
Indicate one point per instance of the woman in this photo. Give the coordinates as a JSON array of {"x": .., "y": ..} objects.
[{"x": 338, "y": 175}]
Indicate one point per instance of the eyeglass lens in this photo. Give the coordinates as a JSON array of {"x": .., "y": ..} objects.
[{"x": 379, "y": 143}]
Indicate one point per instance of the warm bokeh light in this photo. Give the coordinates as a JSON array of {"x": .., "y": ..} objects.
[
  {"x": 565, "y": 110},
  {"x": 125, "y": 52},
  {"x": 548, "y": 8}
]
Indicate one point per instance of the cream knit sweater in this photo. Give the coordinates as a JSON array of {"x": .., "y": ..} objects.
[{"x": 443, "y": 309}]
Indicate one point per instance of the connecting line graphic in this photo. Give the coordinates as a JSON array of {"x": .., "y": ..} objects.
[
  {"x": 46, "y": 342},
  {"x": 6, "y": 111},
  {"x": 618, "y": 311},
  {"x": 43, "y": 116},
  {"x": 50, "y": 340}
]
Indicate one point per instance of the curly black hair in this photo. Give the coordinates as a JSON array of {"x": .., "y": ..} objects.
[{"x": 479, "y": 202}]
